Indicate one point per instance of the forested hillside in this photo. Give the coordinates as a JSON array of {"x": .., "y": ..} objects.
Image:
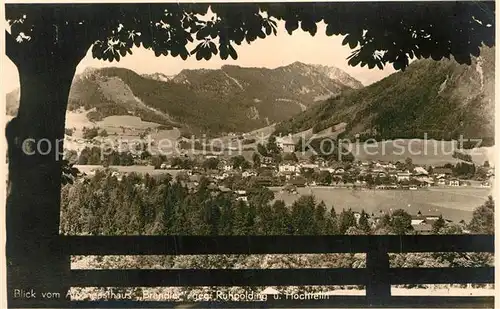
[
  {"x": 136, "y": 205},
  {"x": 440, "y": 98}
]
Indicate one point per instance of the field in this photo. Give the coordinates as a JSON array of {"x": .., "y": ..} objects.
[
  {"x": 423, "y": 152},
  {"x": 454, "y": 204}
]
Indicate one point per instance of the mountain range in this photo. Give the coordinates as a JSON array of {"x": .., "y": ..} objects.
[
  {"x": 440, "y": 98},
  {"x": 229, "y": 99}
]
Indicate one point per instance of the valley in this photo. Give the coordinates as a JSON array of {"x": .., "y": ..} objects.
[{"x": 239, "y": 107}]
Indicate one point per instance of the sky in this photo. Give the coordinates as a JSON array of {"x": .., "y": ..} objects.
[{"x": 271, "y": 52}]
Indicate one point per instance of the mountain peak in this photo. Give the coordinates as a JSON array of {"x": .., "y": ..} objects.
[
  {"x": 159, "y": 77},
  {"x": 338, "y": 74},
  {"x": 331, "y": 72},
  {"x": 298, "y": 65}
]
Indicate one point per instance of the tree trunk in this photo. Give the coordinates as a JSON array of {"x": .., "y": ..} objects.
[{"x": 35, "y": 261}]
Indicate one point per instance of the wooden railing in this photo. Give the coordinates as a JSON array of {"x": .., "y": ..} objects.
[{"x": 377, "y": 277}]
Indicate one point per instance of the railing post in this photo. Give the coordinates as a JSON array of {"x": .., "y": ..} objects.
[{"x": 378, "y": 287}]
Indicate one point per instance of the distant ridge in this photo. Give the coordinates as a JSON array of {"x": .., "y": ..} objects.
[{"x": 229, "y": 99}]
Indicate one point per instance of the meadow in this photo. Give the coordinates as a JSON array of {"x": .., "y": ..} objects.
[{"x": 453, "y": 203}]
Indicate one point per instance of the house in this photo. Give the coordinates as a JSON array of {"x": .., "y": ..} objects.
[
  {"x": 211, "y": 156},
  {"x": 486, "y": 184},
  {"x": 424, "y": 219},
  {"x": 165, "y": 166},
  {"x": 309, "y": 165},
  {"x": 420, "y": 171},
  {"x": 330, "y": 170},
  {"x": 242, "y": 198},
  {"x": 454, "y": 183},
  {"x": 321, "y": 162},
  {"x": 225, "y": 165},
  {"x": 441, "y": 172},
  {"x": 247, "y": 174},
  {"x": 423, "y": 228},
  {"x": 224, "y": 189},
  {"x": 390, "y": 166},
  {"x": 242, "y": 195},
  {"x": 465, "y": 183},
  {"x": 222, "y": 176},
  {"x": 339, "y": 171},
  {"x": 425, "y": 181},
  {"x": 266, "y": 161},
  {"x": 402, "y": 176},
  {"x": 418, "y": 219},
  {"x": 286, "y": 143},
  {"x": 289, "y": 175},
  {"x": 287, "y": 167},
  {"x": 431, "y": 217},
  {"x": 441, "y": 181}
]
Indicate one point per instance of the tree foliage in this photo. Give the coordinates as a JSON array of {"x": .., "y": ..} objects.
[
  {"x": 400, "y": 222},
  {"x": 379, "y": 33},
  {"x": 272, "y": 147},
  {"x": 346, "y": 221},
  {"x": 239, "y": 162},
  {"x": 256, "y": 160},
  {"x": 438, "y": 225},
  {"x": 160, "y": 205},
  {"x": 90, "y": 133},
  {"x": 483, "y": 218},
  {"x": 364, "y": 225}
]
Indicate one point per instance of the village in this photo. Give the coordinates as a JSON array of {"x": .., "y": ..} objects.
[
  {"x": 290, "y": 172},
  {"x": 288, "y": 168}
]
